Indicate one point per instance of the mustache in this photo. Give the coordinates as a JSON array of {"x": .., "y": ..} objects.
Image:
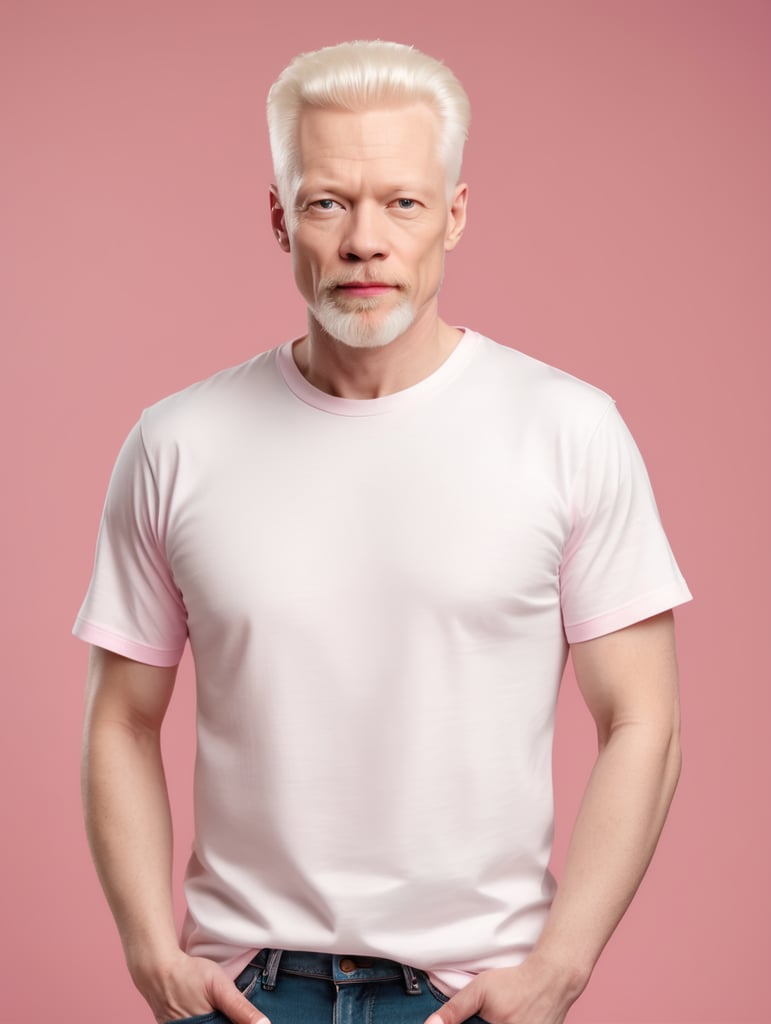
[{"x": 329, "y": 284}]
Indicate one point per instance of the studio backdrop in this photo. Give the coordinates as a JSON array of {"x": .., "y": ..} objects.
[{"x": 619, "y": 165}]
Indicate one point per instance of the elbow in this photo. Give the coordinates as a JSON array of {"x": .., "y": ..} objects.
[
  {"x": 670, "y": 759},
  {"x": 674, "y": 759},
  {"x": 667, "y": 730}
]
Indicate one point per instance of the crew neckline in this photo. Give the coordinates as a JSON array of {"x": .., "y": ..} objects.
[{"x": 453, "y": 365}]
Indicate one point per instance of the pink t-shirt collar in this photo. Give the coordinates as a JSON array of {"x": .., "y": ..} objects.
[{"x": 440, "y": 378}]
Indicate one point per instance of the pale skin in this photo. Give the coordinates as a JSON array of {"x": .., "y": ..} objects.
[
  {"x": 388, "y": 218},
  {"x": 129, "y": 828},
  {"x": 628, "y": 680},
  {"x": 373, "y": 205}
]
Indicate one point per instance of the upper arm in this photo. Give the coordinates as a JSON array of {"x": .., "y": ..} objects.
[
  {"x": 630, "y": 676},
  {"x": 126, "y": 692}
]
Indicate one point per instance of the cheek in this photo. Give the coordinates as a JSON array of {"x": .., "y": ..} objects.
[
  {"x": 309, "y": 258},
  {"x": 431, "y": 261},
  {"x": 303, "y": 266}
]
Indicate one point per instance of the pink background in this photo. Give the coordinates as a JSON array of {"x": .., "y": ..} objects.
[{"x": 619, "y": 167}]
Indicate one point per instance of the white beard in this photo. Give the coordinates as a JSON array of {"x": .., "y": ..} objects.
[{"x": 353, "y": 328}]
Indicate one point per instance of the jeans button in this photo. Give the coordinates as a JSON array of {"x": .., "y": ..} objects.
[{"x": 347, "y": 965}]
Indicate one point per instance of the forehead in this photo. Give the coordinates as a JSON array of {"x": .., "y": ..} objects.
[{"x": 390, "y": 140}]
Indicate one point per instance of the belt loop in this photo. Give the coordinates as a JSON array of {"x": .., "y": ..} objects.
[
  {"x": 411, "y": 983},
  {"x": 270, "y": 970}
]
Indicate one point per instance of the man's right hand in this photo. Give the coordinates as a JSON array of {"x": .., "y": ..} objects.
[
  {"x": 123, "y": 783},
  {"x": 188, "y": 986}
]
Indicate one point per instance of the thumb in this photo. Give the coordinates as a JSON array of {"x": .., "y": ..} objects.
[
  {"x": 237, "y": 1007},
  {"x": 465, "y": 1004}
]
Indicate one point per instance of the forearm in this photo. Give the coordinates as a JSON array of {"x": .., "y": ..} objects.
[
  {"x": 615, "y": 834},
  {"x": 129, "y": 829}
]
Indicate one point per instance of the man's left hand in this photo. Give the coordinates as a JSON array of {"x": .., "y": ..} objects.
[{"x": 532, "y": 993}]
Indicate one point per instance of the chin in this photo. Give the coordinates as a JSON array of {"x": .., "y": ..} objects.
[{"x": 354, "y": 329}]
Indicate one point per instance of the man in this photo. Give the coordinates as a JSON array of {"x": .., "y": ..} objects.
[{"x": 380, "y": 540}]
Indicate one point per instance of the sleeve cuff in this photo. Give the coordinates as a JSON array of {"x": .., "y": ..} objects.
[
  {"x": 644, "y": 607},
  {"x": 100, "y": 637}
]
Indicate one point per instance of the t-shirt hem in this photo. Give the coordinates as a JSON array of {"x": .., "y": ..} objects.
[
  {"x": 449, "y": 981},
  {"x": 100, "y": 637},
  {"x": 652, "y": 603},
  {"x": 235, "y": 964}
]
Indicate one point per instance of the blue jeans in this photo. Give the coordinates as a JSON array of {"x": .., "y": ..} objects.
[{"x": 318, "y": 988}]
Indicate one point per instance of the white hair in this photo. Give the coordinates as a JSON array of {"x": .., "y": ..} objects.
[{"x": 359, "y": 76}]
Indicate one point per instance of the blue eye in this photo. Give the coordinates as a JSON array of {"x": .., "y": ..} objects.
[
  {"x": 406, "y": 204},
  {"x": 325, "y": 204}
]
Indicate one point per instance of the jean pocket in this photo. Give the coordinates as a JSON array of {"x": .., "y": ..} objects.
[
  {"x": 212, "y": 1017},
  {"x": 441, "y": 998},
  {"x": 245, "y": 983}
]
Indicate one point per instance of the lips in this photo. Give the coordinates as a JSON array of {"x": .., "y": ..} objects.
[{"x": 365, "y": 288}]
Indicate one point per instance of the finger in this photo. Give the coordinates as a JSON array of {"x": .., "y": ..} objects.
[
  {"x": 462, "y": 1006},
  {"x": 236, "y": 1007}
]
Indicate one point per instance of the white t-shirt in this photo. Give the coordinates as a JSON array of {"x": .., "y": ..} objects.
[{"x": 378, "y": 596}]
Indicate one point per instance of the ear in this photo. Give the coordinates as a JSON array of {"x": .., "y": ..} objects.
[
  {"x": 456, "y": 222},
  {"x": 278, "y": 219}
]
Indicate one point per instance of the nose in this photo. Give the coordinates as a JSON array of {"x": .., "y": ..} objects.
[{"x": 364, "y": 237}]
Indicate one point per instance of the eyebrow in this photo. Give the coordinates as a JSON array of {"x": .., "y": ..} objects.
[{"x": 329, "y": 185}]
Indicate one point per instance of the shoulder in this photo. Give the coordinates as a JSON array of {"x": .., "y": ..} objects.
[
  {"x": 208, "y": 406},
  {"x": 540, "y": 393}
]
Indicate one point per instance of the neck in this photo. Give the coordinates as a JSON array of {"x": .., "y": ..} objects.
[{"x": 364, "y": 373}]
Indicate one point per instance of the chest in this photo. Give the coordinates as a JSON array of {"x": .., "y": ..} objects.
[{"x": 424, "y": 516}]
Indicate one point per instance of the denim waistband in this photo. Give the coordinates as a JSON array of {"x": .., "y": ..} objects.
[{"x": 341, "y": 970}]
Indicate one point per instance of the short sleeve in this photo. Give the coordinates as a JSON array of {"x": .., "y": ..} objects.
[
  {"x": 133, "y": 606},
  {"x": 617, "y": 565}
]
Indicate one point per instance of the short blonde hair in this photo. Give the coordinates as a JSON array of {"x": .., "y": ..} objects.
[{"x": 358, "y": 76}]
